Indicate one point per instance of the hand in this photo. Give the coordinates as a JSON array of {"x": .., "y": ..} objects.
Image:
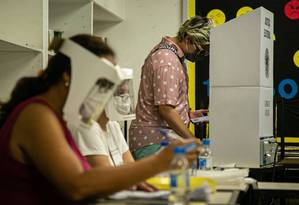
[
  {"x": 193, "y": 149},
  {"x": 143, "y": 186},
  {"x": 167, "y": 155},
  {"x": 198, "y": 113},
  {"x": 197, "y": 117}
]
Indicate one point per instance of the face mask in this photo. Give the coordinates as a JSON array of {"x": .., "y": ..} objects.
[
  {"x": 196, "y": 56},
  {"x": 87, "y": 109},
  {"x": 94, "y": 101},
  {"x": 121, "y": 106},
  {"x": 191, "y": 57},
  {"x": 122, "y": 103}
]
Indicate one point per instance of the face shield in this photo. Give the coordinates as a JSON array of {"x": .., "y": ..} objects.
[
  {"x": 121, "y": 106},
  {"x": 93, "y": 81}
]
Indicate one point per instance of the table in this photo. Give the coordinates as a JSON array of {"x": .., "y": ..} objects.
[
  {"x": 228, "y": 197},
  {"x": 276, "y": 190}
]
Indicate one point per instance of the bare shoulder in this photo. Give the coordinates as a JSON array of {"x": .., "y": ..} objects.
[
  {"x": 34, "y": 128},
  {"x": 37, "y": 113},
  {"x": 36, "y": 119}
]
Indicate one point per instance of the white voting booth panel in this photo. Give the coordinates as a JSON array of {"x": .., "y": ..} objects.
[
  {"x": 242, "y": 50},
  {"x": 239, "y": 117},
  {"x": 241, "y": 90}
]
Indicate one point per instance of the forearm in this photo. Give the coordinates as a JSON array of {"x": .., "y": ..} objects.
[
  {"x": 173, "y": 119},
  {"x": 127, "y": 157},
  {"x": 98, "y": 160},
  {"x": 106, "y": 180}
]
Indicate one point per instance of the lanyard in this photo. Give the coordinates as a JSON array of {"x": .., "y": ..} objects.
[
  {"x": 115, "y": 153},
  {"x": 170, "y": 47}
]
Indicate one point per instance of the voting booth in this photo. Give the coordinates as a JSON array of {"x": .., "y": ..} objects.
[{"x": 241, "y": 90}]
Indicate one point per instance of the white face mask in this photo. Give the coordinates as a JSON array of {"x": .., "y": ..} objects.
[
  {"x": 122, "y": 103},
  {"x": 94, "y": 101}
]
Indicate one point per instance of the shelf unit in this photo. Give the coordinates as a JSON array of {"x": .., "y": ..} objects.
[
  {"x": 25, "y": 26},
  {"x": 22, "y": 41}
]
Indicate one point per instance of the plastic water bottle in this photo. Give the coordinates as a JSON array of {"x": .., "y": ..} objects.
[
  {"x": 179, "y": 178},
  {"x": 205, "y": 158},
  {"x": 163, "y": 145}
]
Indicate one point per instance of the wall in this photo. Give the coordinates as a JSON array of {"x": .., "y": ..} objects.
[{"x": 146, "y": 21}]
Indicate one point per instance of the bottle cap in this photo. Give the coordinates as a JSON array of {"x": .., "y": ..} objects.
[
  {"x": 206, "y": 141},
  {"x": 164, "y": 143},
  {"x": 179, "y": 150}
]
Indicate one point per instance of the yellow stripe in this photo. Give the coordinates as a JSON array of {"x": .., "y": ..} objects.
[
  {"x": 191, "y": 8},
  {"x": 288, "y": 139},
  {"x": 191, "y": 67}
]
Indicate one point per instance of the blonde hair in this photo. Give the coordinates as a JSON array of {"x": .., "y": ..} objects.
[{"x": 198, "y": 29}]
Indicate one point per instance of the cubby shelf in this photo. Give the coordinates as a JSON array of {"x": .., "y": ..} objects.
[
  {"x": 14, "y": 46},
  {"x": 103, "y": 11}
]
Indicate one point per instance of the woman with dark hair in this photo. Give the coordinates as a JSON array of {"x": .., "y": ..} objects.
[{"x": 40, "y": 163}]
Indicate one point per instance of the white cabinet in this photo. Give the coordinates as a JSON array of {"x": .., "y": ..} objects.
[{"x": 25, "y": 26}]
